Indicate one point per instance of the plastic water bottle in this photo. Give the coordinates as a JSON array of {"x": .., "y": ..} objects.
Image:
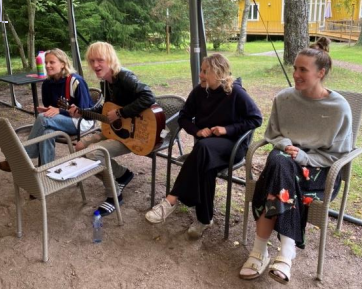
[
  {"x": 97, "y": 227},
  {"x": 40, "y": 64}
]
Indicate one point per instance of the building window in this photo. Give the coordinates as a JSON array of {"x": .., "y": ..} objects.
[
  {"x": 253, "y": 12},
  {"x": 316, "y": 10}
]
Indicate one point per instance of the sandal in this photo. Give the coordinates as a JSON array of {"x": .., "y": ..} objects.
[
  {"x": 108, "y": 206},
  {"x": 257, "y": 263},
  {"x": 283, "y": 265}
]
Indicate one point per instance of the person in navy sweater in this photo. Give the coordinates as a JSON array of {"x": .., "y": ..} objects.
[
  {"x": 51, "y": 117},
  {"x": 217, "y": 112}
]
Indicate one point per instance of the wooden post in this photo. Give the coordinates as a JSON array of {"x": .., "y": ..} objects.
[{"x": 350, "y": 27}]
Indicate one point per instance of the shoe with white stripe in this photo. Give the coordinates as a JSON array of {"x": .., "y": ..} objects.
[{"x": 108, "y": 206}]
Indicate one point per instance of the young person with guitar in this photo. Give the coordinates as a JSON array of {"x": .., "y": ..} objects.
[
  {"x": 130, "y": 98},
  {"x": 62, "y": 82}
]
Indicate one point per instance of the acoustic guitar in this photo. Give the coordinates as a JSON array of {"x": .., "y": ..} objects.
[{"x": 140, "y": 134}]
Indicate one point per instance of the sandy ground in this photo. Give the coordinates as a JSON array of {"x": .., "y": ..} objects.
[{"x": 140, "y": 255}]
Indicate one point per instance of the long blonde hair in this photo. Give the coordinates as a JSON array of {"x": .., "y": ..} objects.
[
  {"x": 220, "y": 65},
  {"x": 63, "y": 58},
  {"x": 105, "y": 51}
]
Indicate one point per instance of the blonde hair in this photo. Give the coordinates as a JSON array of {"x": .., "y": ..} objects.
[
  {"x": 220, "y": 65},
  {"x": 105, "y": 51},
  {"x": 319, "y": 51},
  {"x": 63, "y": 58}
]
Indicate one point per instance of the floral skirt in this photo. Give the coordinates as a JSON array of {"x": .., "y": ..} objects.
[{"x": 285, "y": 189}]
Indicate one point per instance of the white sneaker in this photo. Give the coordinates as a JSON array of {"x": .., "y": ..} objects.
[
  {"x": 196, "y": 229},
  {"x": 160, "y": 212}
]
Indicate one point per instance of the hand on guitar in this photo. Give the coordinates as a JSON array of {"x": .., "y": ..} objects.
[
  {"x": 112, "y": 115},
  {"x": 73, "y": 111},
  {"x": 48, "y": 111}
]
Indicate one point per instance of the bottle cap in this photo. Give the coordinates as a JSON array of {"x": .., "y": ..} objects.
[{"x": 97, "y": 213}]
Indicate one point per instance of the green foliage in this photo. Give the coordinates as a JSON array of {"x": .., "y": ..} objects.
[{"x": 219, "y": 16}]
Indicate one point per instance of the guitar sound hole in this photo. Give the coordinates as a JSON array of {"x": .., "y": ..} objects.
[{"x": 117, "y": 124}]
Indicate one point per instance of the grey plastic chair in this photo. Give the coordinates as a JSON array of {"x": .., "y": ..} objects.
[
  {"x": 318, "y": 210},
  {"x": 226, "y": 174},
  {"x": 171, "y": 105},
  {"x": 34, "y": 180}
]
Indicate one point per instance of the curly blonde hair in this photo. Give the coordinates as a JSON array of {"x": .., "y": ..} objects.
[
  {"x": 220, "y": 65},
  {"x": 105, "y": 51},
  {"x": 63, "y": 58}
]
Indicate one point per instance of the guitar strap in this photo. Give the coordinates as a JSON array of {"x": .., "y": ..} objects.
[{"x": 67, "y": 87}]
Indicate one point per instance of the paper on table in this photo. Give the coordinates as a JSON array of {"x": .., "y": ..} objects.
[{"x": 72, "y": 169}]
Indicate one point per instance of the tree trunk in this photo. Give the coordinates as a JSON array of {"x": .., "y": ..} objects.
[
  {"x": 296, "y": 35},
  {"x": 18, "y": 42},
  {"x": 359, "y": 41},
  {"x": 244, "y": 23},
  {"x": 31, "y": 32}
]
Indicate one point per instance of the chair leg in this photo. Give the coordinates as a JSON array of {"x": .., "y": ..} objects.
[
  {"x": 245, "y": 223},
  {"x": 322, "y": 247},
  {"x": 80, "y": 184},
  {"x": 19, "y": 229},
  {"x": 109, "y": 181},
  {"x": 168, "y": 175},
  {"x": 343, "y": 206},
  {"x": 228, "y": 205},
  {"x": 45, "y": 230},
  {"x": 179, "y": 145},
  {"x": 153, "y": 181}
]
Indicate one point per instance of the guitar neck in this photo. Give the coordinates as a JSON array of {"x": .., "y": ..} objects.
[{"x": 93, "y": 115}]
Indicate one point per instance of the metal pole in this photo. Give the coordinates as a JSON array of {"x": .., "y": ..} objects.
[
  {"x": 195, "y": 46},
  {"x": 73, "y": 39},
  {"x": 14, "y": 102},
  {"x": 202, "y": 36}
]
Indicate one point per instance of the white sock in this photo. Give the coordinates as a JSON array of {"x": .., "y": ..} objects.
[
  {"x": 287, "y": 248},
  {"x": 260, "y": 246}
]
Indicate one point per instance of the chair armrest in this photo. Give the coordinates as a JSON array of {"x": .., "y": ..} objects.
[
  {"x": 172, "y": 118},
  {"x": 50, "y": 135},
  {"x": 249, "y": 157},
  {"x": 26, "y": 127},
  {"x": 73, "y": 156},
  {"x": 172, "y": 140},
  {"x": 235, "y": 149},
  {"x": 334, "y": 171}
]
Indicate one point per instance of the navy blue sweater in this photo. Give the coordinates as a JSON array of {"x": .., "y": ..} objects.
[
  {"x": 237, "y": 112},
  {"x": 52, "y": 90}
]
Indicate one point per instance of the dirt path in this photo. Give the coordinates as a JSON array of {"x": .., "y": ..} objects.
[{"x": 339, "y": 63}]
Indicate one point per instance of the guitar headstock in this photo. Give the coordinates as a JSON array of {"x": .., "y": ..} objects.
[{"x": 63, "y": 103}]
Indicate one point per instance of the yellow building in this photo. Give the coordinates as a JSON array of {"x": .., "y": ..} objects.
[{"x": 326, "y": 17}]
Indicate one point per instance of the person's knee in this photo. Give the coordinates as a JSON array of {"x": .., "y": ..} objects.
[
  {"x": 200, "y": 145},
  {"x": 79, "y": 146},
  {"x": 95, "y": 155}
]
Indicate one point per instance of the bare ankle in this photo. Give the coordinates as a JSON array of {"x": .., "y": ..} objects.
[{"x": 171, "y": 199}]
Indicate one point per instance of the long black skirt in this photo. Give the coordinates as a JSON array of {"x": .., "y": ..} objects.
[
  {"x": 285, "y": 189},
  {"x": 195, "y": 184}
]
